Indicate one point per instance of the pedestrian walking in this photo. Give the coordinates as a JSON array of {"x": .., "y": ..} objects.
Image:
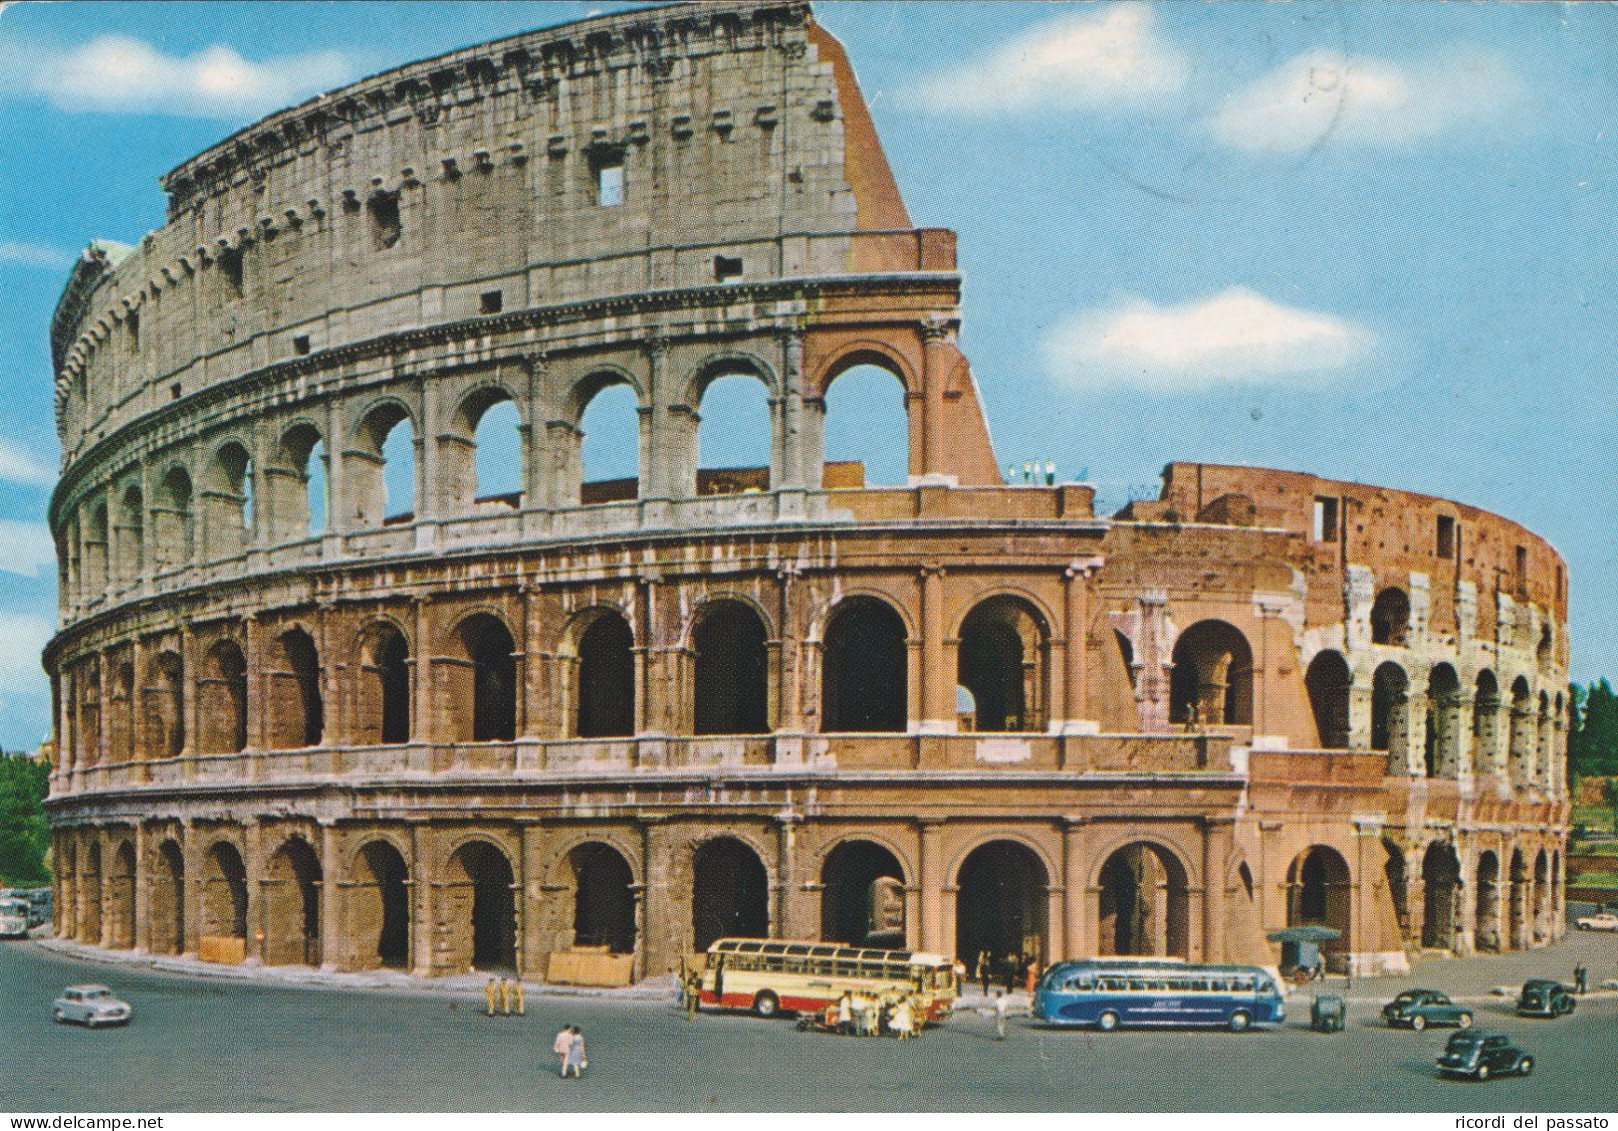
[
  {"x": 693, "y": 994},
  {"x": 1008, "y": 971},
  {"x": 1031, "y": 976},
  {"x": 845, "y": 1014},
  {"x": 560, "y": 1046},
  {"x": 999, "y": 1017},
  {"x": 575, "y": 1055},
  {"x": 491, "y": 994},
  {"x": 516, "y": 996},
  {"x": 505, "y": 997},
  {"x": 983, "y": 971},
  {"x": 1581, "y": 978},
  {"x": 903, "y": 1019}
]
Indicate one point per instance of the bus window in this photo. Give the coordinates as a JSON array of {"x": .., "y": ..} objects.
[
  {"x": 1244, "y": 985},
  {"x": 1136, "y": 985}
]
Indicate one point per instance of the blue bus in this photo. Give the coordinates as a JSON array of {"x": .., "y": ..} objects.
[{"x": 1107, "y": 993}]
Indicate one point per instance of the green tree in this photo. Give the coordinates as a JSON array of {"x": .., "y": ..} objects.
[
  {"x": 24, "y": 832},
  {"x": 1593, "y": 744}
]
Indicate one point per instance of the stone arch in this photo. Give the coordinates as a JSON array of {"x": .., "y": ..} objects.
[
  {"x": 1390, "y": 617},
  {"x": 227, "y": 499},
  {"x": 480, "y": 684},
  {"x": 68, "y": 890},
  {"x": 731, "y": 669},
  {"x": 120, "y": 896},
  {"x": 1212, "y": 680},
  {"x": 163, "y": 720},
  {"x": 1520, "y": 756},
  {"x": 1545, "y": 742},
  {"x": 478, "y": 468},
  {"x": 1486, "y": 913},
  {"x": 1543, "y": 650},
  {"x": 867, "y": 351},
  {"x": 297, "y": 715},
  {"x": 861, "y": 445},
  {"x": 1441, "y": 879},
  {"x": 603, "y": 897},
  {"x": 90, "y": 891},
  {"x": 382, "y": 706},
  {"x": 1002, "y": 903},
  {"x": 1004, "y": 662},
  {"x": 862, "y": 899},
  {"x": 865, "y": 668},
  {"x": 480, "y": 908},
  {"x": 131, "y": 531},
  {"x": 1390, "y": 713},
  {"x": 1485, "y": 721},
  {"x": 222, "y": 900},
  {"x": 372, "y": 486},
  {"x": 167, "y": 900},
  {"x": 731, "y": 437},
  {"x": 222, "y": 700},
  {"x": 1542, "y": 897},
  {"x": 93, "y": 535},
  {"x": 1143, "y": 901},
  {"x": 1443, "y": 729},
  {"x": 1517, "y": 901},
  {"x": 1397, "y": 874},
  {"x": 172, "y": 525},
  {"x": 616, "y": 425},
  {"x": 291, "y": 905},
  {"x": 728, "y": 363},
  {"x": 1320, "y": 891},
  {"x": 290, "y": 509},
  {"x": 603, "y": 673},
  {"x": 1329, "y": 681},
  {"x": 730, "y": 892},
  {"x": 379, "y": 906}
]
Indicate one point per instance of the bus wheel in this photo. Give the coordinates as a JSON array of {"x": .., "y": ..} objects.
[
  {"x": 1239, "y": 1021},
  {"x": 766, "y": 1004},
  {"x": 1107, "y": 1022}
]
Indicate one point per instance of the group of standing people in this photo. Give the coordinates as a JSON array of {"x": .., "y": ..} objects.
[
  {"x": 865, "y": 1015},
  {"x": 1008, "y": 970},
  {"x": 504, "y": 996}
]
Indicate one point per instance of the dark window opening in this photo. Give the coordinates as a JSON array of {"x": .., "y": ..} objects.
[
  {"x": 864, "y": 686},
  {"x": 491, "y": 302},
  {"x": 732, "y": 671},
  {"x": 230, "y": 262},
  {"x": 1325, "y": 519},
  {"x": 300, "y": 344},
  {"x": 386, "y": 225},
  {"x": 174, "y": 391},
  {"x": 1446, "y": 536},
  {"x": 726, "y": 268},
  {"x": 133, "y": 323},
  {"x": 1522, "y": 573},
  {"x": 606, "y": 701},
  {"x": 1390, "y": 618}
]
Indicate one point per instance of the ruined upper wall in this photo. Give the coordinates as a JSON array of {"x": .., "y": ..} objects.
[{"x": 411, "y": 197}]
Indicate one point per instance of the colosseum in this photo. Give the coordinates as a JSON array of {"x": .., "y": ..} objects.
[{"x": 306, "y": 715}]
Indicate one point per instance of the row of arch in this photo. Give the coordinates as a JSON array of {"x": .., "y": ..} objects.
[
  {"x": 1003, "y": 660},
  {"x": 1390, "y": 625},
  {"x": 485, "y": 460}
]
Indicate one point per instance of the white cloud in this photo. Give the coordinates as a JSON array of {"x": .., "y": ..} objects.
[
  {"x": 28, "y": 549},
  {"x": 1083, "y": 61},
  {"x": 1328, "y": 98},
  {"x": 33, "y": 255},
  {"x": 25, "y": 636},
  {"x": 1235, "y": 337},
  {"x": 117, "y": 74},
  {"x": 23, "y": 468}
]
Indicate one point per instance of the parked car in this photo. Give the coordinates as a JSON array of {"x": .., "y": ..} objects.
[
  {"x": 92, "y": 1006},
  {"x": 1417, "y": 1009},
  {"x": 1481, "y": 1055},
  {"x": 1544, "y": 997},
  {"x": 1601, "y": 921}
]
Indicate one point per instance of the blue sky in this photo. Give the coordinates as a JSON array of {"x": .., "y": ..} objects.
[{"x": 1369, "y": 241}]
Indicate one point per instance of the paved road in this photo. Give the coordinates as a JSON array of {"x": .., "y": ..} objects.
[{"x": 199, "y": 1045}]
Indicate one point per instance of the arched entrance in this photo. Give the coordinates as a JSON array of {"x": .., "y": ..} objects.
[
  {"x": 298, "y": 716},
  {"x": 167, "y": 930},
  {"x": 862, "y": 896},
  {"x": 1328, "y": 681},
  {"x": 864, "y": 677},
  {"x": 606, "y": 678},
  {"x": 1486, "y": 933},
  {"x": 1398, "y": 878},
  {"x": 379, "y": 908},
  {"x": 1390, "y": 713},
  {"x": 382, "y": 703},
  {"x": 603, "y": 898},
  {"x": 222, "y": 700},
  {"x": 730, "y": 893},
  {"x": 292, "y": 881},
  {"x": 732, "y": 671},
  {"x": 1441, "y": 875},
  {"x": 1542, "y": 898},
  {"x": 1517, "y": 899},
  {"x": 224, "y": 893},
  {"x": 121, "y": 897},
  {"x": 482, "y": 909},
  {"x": 1320, "y": 893},
  {"x": 1001, "y": 662},
  {"x": 1443, "y": 739},
  {"x": 492, "y": 685},
  {"x": 1001, "y": 905},
  {"x": 1212, "y": 680},
  {"x": 1144, "y": 903},
  {"x": 90, "y": 892}
]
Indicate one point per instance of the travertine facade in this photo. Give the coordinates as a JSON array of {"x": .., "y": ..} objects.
[{"x": 646, "y": 713}]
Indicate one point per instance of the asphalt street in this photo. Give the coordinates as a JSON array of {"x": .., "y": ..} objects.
[{"x": 206, "y": 1045}]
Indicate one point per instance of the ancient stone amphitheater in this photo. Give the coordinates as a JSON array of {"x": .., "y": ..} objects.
[{"x": 322, "y": 698}]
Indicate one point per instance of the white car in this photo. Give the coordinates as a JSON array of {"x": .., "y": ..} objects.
[
  {"x": 1605, "y": 921},
  {"x": 93, "y": 1006}
]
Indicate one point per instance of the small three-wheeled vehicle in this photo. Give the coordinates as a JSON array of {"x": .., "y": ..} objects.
[{"x": 1327, "y": 1013}]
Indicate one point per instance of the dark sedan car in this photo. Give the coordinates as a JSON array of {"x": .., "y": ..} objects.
[
  {"x": 1481, "y": 1055},
  {"x": 1544, "y": 997},
  {"x": 1417, "y": 1009}
]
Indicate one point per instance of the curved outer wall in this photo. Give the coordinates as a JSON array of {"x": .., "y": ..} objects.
[{"x": 634, "y": 714}]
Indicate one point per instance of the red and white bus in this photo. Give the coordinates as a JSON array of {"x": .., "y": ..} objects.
[{"x": 771, "y": 975}]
